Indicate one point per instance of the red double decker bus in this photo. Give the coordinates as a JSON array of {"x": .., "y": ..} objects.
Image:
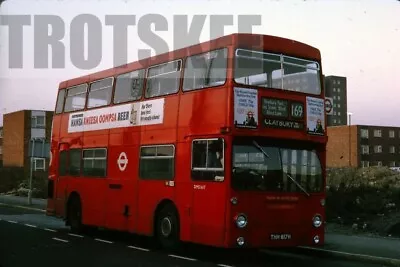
[{"x": 220, "y": 143}]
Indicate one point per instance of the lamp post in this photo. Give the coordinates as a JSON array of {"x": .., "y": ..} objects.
[{"x": 349, "y": 123}]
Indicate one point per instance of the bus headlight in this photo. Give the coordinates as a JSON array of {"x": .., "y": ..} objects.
[
  {"x": 241, "y": 220},
  {"x": 317, "y": 221}
]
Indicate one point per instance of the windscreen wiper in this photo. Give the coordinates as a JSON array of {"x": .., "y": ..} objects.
[
  {"x": 299, "y": 185},
  {"x": 261, "y": 149}
]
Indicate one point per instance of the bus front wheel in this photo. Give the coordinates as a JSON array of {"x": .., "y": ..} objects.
[{"x": 168, "y": 227}]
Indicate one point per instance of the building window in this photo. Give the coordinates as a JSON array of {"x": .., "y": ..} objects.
[
  {"x": 378, "y": 149},
  {"x": 1, "y": 150},
  {"x": 391, "y": 133},
  {"x": 334, "y": 105},
  {"x": 338, "y": 105},
  {"x": 338, "y": 97},
  {"x": 379, "y": 163},
  {"x": 1, "y": 133},
  {"x": 334, "y": 121},
  {"x": 392, "y": 149},
  {"x": 365, "y": 164},
  {"x": 338, "y": 90},
  {"x": 338, "y": 113},
  {"x": 157, "y": 162},
  {"x": 392, "y": 164},
  {"x": 334, "y": 113},
  {"x": 377, "y": 133},
  {"x": 334, "y": 89},
  {"x": 208, "y": 159},
  {"x": 39, "y": 164},
  {"x": 364, "y": 133},
  {"x": 334, "y": 82},
  {"x": 38, "y": 122},
  {"x": 339, "y": 121},
  {"x": 95, "y": 162},
  {"x": 365, "y": 149},
  {"x": 334, "y": 97},
  {"x": 338, "y": 82}
]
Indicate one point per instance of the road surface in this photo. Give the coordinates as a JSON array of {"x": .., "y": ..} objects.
[{"x": 29, "y": 238}]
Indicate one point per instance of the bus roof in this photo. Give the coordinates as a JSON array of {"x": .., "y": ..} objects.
[{"x": 271, "y": 43}]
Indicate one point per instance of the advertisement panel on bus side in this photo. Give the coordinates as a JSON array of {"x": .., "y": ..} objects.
[{"x": 133, "y": 114}]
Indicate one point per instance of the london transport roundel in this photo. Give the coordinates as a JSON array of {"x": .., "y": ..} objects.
[{"x": 122, "y": 161}]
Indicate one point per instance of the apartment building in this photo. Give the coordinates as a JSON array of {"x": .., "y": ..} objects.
[
  {"x": 19, "y": 128},
  {"x": 336, "y": 90},
  {"x": 363, "y": 146}
]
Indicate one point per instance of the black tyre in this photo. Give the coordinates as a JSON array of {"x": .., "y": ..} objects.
[
  {"x": 75, "y": 215},
  {"x": 167, "y": 228}
]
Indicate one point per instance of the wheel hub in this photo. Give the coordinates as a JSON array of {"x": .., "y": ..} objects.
[{"x": 166, "y": 227}]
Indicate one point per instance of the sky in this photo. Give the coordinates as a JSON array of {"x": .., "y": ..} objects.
[{"x": 357, "y": 39}]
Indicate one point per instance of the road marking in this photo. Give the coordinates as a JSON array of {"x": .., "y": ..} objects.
[
  {"x": 104, "y": 241},
  {"x": 61, "y": 240},
  {"x": 142, "y": 249},
  {"x": 81, "y": 236},
  {"x": 183, "y": 258},
  {"x": 21, "y": 207},
  {"x": 224, "y": 265},
  {"x": 50, "y": 230},
  {"x": 12, "y": 221},
  {"x": 30, "y": 225}
]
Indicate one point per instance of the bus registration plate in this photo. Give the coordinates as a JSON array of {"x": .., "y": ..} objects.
[{"x": 281, "y": 236}]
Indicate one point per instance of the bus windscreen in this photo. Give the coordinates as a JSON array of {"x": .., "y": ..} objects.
[{"x": 276, "y": 169}]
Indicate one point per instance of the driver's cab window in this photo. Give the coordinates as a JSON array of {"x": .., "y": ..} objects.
[{"x": 208, "y": 159}]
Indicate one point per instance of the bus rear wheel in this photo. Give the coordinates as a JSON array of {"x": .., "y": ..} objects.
[
  {"x": 167, "y": 228},
  {"x": 75, "y": 215}
]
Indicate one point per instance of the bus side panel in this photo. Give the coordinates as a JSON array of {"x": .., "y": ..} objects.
[
  {"x": 184, "y": 189},
  {"x": 208, "y": 221},
  {"x": 68, "y": 141},
  {"x": 123, "y": 165},
  {"x": 152, "y": 191},
  {"x": 92, "y": 194},
  {"x": 61, "y": 184},
  {"x": 53, "y": 166},
  {"x": 122, "y": 188},
  {"x": 94, "y": 189}
]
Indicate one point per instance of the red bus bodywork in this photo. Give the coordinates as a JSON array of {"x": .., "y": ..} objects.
[{"x": 206, "y": 209}]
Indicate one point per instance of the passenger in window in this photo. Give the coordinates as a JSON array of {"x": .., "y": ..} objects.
[
  {"x": 215, "y": 156},
  {"x": 220, "y": 157}
]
